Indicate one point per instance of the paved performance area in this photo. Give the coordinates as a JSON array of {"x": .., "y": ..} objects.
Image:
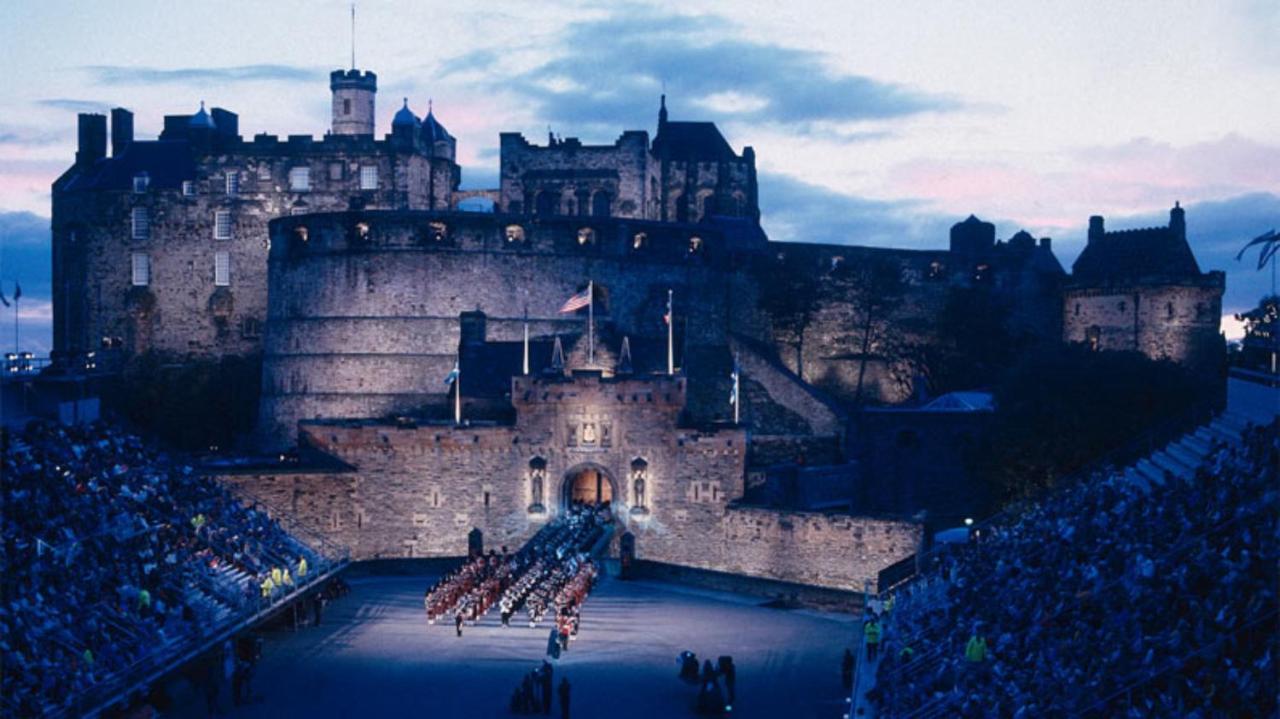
[{"x": 376, "y": 656}]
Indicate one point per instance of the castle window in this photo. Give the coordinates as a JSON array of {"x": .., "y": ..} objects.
[
  {"x": 639, "y": 241},
  {"x": 188, "y": 188},
  {"x": 222, "y": 225},
  {"x": 601, "y": 203},
  {"x": 1201, "y": 310},
  {"x": 695, "y": 245},
  {"x": 936, "y": 270},
  {"x": 250, "y": 328},
  {"x": 301, "y": 233},
  {"x": 1077, "y": 309},
  {"x": 222, "y": 269},
  {"x": 1093, "y": 336},
  {"x": 300, "y": 179},
  {"x": 335, "y": 170},
  {"x": 437, "y": 231},
  {"x": 1169, "y": 309},
  {"x": 140, "y": 220},
  {"x": 346, "y": 106},
  {"x": 140, "y": 269},
  {"x": 1122, "y": 306},
  {"x": 369, "y": 177},
  {"x": 515, "y": 233},
  {"x": 547, "y": 204},
  {"x": 982, "y": 273},
  {"x": 362, "y": 231},
  {"x": 837, "y": 262},
  {"x": 141, "y": 181},
  {"x": 233, "y": 183},
  {"x": 586, "y": 236}
]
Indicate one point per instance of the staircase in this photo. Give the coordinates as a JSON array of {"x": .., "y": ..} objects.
[{"x": 1178, "y": 459}]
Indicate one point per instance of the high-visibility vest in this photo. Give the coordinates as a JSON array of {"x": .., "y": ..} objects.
[
  {"x": 267, "y": 587},
  {"x": 275, "y": 576},
  {"x": 302, "y": 567},
  {"x": 144, "y": 599},
  {"x": 288, "y": 580},
  {"x": 976, "y": 649},
  {"x": 872, "y": 632}
]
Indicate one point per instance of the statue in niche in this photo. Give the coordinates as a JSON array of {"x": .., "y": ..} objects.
[
  {"x": 606, "y": 434},
  {"x": 589, "y": 433},
  {"x": 571, "y": 435},
  {"x": 537, "y": 481},
  {"x": 639, "y": 503}
]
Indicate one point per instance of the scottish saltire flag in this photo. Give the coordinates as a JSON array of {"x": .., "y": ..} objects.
[
  {"x": 1270, "y": 242},
  {"x": 577, "y": 302},
  {"x": 453, "y": 375}
]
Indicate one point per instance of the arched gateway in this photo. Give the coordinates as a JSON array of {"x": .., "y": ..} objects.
[{"x": 588, "y": 483}]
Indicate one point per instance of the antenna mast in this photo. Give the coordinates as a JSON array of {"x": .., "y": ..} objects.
[{"x": 353, "y": 36}]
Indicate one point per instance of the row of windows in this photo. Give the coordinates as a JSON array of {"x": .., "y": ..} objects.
[
  {"x": 140, "y": 224},
  {"x": 299, "y": 180},
  {"x": 140, "y": 269}
]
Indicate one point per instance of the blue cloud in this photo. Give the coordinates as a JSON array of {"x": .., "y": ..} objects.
[
  {"x": 74, "y": 105},
  {"x": 137, "y": 75},
  {"x": 25, "y": 259},
  {"x": 611, "y": 71}
]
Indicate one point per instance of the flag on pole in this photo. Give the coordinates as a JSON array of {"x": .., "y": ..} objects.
[
  {"x": 453, "y": 374},
  {"x": 17, "y": 291},
  {"x": 666, "y": 317},
  {"x": 1270, "y": 242},
  {"x": 3, "y": 300},
  {"x": 577, "y": 302}
]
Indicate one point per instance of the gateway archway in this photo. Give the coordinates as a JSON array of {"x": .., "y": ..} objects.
[{"x": 587, "y": 484}]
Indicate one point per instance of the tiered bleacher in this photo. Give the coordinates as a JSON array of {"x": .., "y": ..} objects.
[
  {"x": 551, "y": 572},
  {"x": 1148, "y": 592},
  {"x": 120, "y": 561}
]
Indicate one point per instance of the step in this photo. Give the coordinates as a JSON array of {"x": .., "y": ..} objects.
[
  {"x": 1153, "y": 473},
  {"x": 1186, "y": 454},
  {"x": 1135, "y": 478},
  {"x": 1197, "y": 443},
  {"x": 1164, "y": 461}
]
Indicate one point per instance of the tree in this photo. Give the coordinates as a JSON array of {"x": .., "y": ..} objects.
[
  {"x": 1061, "y": 408},
  {"x": 876, "y": 288},
  {"x": 789, "y": 293}
]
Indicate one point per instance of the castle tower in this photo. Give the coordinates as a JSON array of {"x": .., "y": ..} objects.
[{"x": 353, "y": 93}]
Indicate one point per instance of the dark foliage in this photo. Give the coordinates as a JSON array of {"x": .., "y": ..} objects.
[
  {"x": 193, "y": 405},
  {"x": 1061, "y": 408}
]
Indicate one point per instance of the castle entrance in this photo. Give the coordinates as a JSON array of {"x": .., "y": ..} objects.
[{"x": 587, "y": 484}]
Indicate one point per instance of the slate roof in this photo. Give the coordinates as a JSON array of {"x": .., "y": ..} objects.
[
  {"x": 1131, "y": 255},
  {"x": 166, "y": 162},
  {"x": 697, "y": 141}
]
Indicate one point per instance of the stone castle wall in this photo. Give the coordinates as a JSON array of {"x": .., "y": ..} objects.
[
  {"x": 418, "y": 491},
  {"x": 368, "y": 327},
  {"x": 1175, "y": 321},
  {"x": 181, "y": 311}
]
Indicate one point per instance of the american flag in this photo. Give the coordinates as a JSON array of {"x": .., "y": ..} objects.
[{"x": 577, "y": 302}]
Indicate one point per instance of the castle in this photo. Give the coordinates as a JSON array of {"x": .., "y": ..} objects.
[{"x": 347, "y": 265}]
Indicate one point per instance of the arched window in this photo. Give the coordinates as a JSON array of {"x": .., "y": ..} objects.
[
  {"x": 361, "y": 232},
  {"x": 709, "y": 206},
  {"x": 682, "y": 208},
  {"x": 639, "y": 241},
  {"x": 601, "y": 203},
  {"x": 515, "y": 233},
  {"x": 583, "y": 198},
  {"x": 437, "y": 231},
  {"x": 547, "y": 203},
  {"x": 1093, "y": 336},
  {"x": 695, "y": 245},
  {"x": 586, "y": 236}
]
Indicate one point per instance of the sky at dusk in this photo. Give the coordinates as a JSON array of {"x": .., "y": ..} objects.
[{"x": 873, "y": 123}]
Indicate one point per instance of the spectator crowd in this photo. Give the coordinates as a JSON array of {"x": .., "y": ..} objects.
[
  {"x": 118, "y": 558},
  {"x": 1111, "y": 598}
]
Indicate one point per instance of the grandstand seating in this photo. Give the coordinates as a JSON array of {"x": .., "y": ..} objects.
[
  {"x": 120, "y": 561},
  {"x": 1144, "y": 591}
]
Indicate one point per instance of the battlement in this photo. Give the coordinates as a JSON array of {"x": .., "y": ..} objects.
[
  {"x": 663, "y": 392},
  {"x": 627, "y": 139},
  {"x": 364, "y": 80}
]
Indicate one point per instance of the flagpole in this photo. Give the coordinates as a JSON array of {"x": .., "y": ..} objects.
[
  {"x": 526, "y": 341},
  {"x": 457, "y": 393},
  {"x": 671, "y": 346},
  {"x": 591, "y": 322},
  {"x": 737, "y": 397}
]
